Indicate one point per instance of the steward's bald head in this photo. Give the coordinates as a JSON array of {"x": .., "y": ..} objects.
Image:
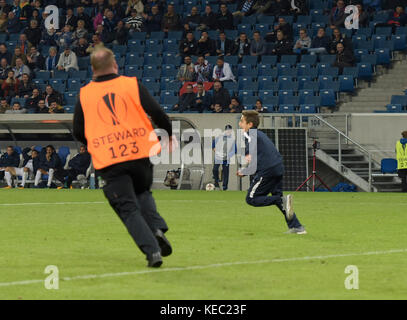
[{"x": 103, "y": 61}]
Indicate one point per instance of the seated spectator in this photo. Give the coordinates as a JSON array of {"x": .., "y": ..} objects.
[
  {"x": 32, "y": 102},
  {"x": 193, "y": 20},
  {"x": 33, "y": 33},
  {"x": 79, "y": 164},
  {"x": 3, "y": 22},
  {"x": 136, "y": 5},
  {"x": 49, "y": 163},
  {"x": 242, "y": 46},
  {"x": 10, "y": 86},
  {"x": 80, "y": 32},
  {"x": 122, "y": 34},
  {"x": 397, "y": 18},
  {"x": 64, "y": 37},
  {"x": 203, "y": 99},
  {"x": 337, "y": 37},
  {"x": 69, "y": 19},
  {"x": 153, "y": 20},
  {"x": 4, "y": 69},
  {"x": 258, "y": 45},
  {"x": 54, "y": 107},
  {"x": 96, "y": 43},
  {"x": 222, "y": 71},
  {"x": 206, "y": 46},
  {"x": 135, "y": 23},
  {"x": 81, "y": 15},
  {"x": 35, "y": 61},
  {"x": 37, "y": 17},
  {"x": 23, "y": 43},
  {"x": 50, "y": 95},
  {"x": 188, "y": 46},
  {"x": 298, "y": 7},
  {"x": 186, "y": 71},
  {"x": 42, "y": 108},
  {"x": 244, "y": 9},
  {"x": 235, "y": 105},
  {"x": 18, "y": 54},
  {"x": 220, "y": 98},
  {"x": 4, "y": 106},
  {"x": 302, "y": 45},
  {"x": 171, "y": 20},
  {"x": 13, "y": 23},
  {"x": 109, "y": 24},
  {"x": 4, "y": 7},
  {"x": 224, "y": 18},
  {"x": 284, "y": 27},
  {"x": 67, "y": 60},
  {"x": 51, "y": 61},
  {"x": 16, "y": 109},
  {"x": 363, "y": 17},
  {"x": 208, "y": 20},
  {"x": 117, "y": 9},
  {"x": 49, "y": 37},
  {"x": 81, "y": 49},
  {"x": 202, "y": 70},
  {"x": 25, "y": 87},
  {"x": 4, "y": 53},
  {"x": 259, "y": 106},
  {"x": 279, "y": 8},
  {"x": 20, "y": 69},
  {"x": 337, "y": 15},
  {"x": 282, "y": 46},
  {"x": 320, "y": 44},
  {"x": 224, "y": 46},
  {"x": 344, "y": 58},
  {"x": 185, "y": 101}
]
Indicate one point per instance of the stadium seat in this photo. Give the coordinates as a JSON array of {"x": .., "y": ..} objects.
[
  {"x": 383, "y": 31},
  {"x": 310, "y": 59},
  {"x": 399, "y": 42},
  {"x": 247, "y": 70},
  {"x": 249, "y": 100},
  {"x": 305, "y": 93},
  {"x": 61, "y": 74},
  {"x": 289, "y": 59},
  {"x": 270, "y": 60},
  {"x": 327, "y": 98},
  {"x": 268, "y": 85},
  {"x": 249, "y": 60},
  {"x": 308, "y": 108},
  {"x": 157, "y": 35},
  {"x": 346, "y": 83},
  {"x": 396, "y": 108},
  {"x": 388, "y": 165},
  {"x": 265, "y": 70},
  {"x": 288, "y": 72},
  {"x": 153, "y": 87},
  {"x": 74, "y": 84},
  {"x": 232, "y": 60},
  {"x": 365, "y": 71},
  {"x": 287, "y": 83},
  {"x": 327, "y": 58},
  {"x": 173, "y": 85},
  {"x": 383, "y": 56},
  {"x": 399, "y": 99},
  {"x": 70, "y": 98},
  {"x": 283, "y": 94},
  {"x": 302, "y": 80}
]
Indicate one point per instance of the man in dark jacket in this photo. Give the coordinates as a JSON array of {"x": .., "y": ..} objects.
[
  {"x": 321, "y": 43},
  {"x": 30, "y": 165},
  {"x": 221, "y": 97},
  {"x": 188, "y": 46},
  {"x": 282, "y": 46},
  {"x": 208, "y": 20},
  {"x": 206, "y": 46},
  {"x": 203, "y": 99},
  {"x": 344, "y": 58},
  {"x": 49, "y": 163},
  {"x": 185, "y": 101},
  {"x": 224, "y": 18},
  {"x": 9, "y": 159},
  {"x": 224, "y": 46},
  {"x": 284, "y": 27}
]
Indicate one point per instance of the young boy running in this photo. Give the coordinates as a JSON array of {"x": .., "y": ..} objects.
[{"x": 268, "y": 177}]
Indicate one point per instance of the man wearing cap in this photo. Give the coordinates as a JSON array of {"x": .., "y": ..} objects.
[
  {"x": 67, "y": 60},
  {"x": 224, "y": 147}
]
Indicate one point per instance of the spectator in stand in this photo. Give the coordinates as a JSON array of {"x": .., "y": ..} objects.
[
  {"x": 67, "y": 60},
  {"x": 54, "y": 107},
  {"x": 134, "y": 23},
  {"x": 49, "y": 37},
  {"x": 320, "y": 44},
  {"x": 9, "y": 159},
  {"x": 224, "y": 46},
  {"x": 49, "y": 163},
  {"x": 25, "y": 87},
  {"x": 42, "y": 108},
  {"x": 337, "y": 16},
  {"x": 188, "y": 46},
  {"x": 13, "y": 23},
  {"x": 153, "y": 20},
  {"x": 171, "y": 20},
  {"x": 185, "y": 101},
  {"x": 4, "y": 106},
  {"x": 279, "y": 8},
  {"x": 235, "y": 106},
  {"x": 26, "y": 10},
  {"x": 80, "y": 32},
  {"x": 220, "y": 98},
  {"x": 37, "y": 17},
  {"x": 302, "y": 45},
  {"x": 193, "y": 20},
  {"x": 38, "y": 7},
  {"x": 283, "y": 45},
  {"x": 202, "y": 70},
  {"x": 206, "y": 46},
  {"x": 136, "y": 5},
  {"x": 203, "y": 99},
  {"x": 3, "y": 22},
  {"x": 337, "y": 37},
  {"x": 242, "y": 46},
  {"x": 33, "y": 33},
  {"x": 222, "y": 71},
  {"x": 298, "y": 7},
  {"x": 20, "y": 69},
  {"x": 80, "y": 49},
  {"x": 16, "y": 109},
  {"x": 208, "y": 20},
  {"x": 4, "y": 69},
  {"x": 96, "y": 43},
  {"x": 50, "y": 95},
  {"x": 344, "y": 58},
  {"x": 258, "y": 46},
  {"x": 224, "y": 18},
  {"x": 4, "y": 53},
  {"x": 81, "y": 15},
  {"x": 35, "y": 61},
  {"x": 23, "y": 43},
  {"x": 10, "y": 86},
  {"x": 284, "y": 27},
  {"x": 51, "y": 61},
  {"x": 149, "y": 4},
  {"x": 31, "y": 104},
  {"x": 186, "y": 71},
  {"x": 363, "y": 17},
  {"x": 4, "y": 7},
  {"x": 117, "y": 9},
  {"x": 64, "y": 37},
  {"x": 99, "y": 7},
  {"x": 397, "y": 18},
  {"x": 69, "y": 19},
  {"x": 109, "y": 24},
  {"x": 259, "y": 106},
  {"x": 122, "y": 34},
  {"x": 244, "y": 9},
  {"x": 18, "y": 54}
]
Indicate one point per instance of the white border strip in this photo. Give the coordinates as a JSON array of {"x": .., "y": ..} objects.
[{"x": 209, "y": 266}]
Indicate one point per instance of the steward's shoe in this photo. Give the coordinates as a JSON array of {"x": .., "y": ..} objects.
[
  {"x": 21, "y": 187},
  {"x": 7, "y": 187},
  {"x": 299, "y": 230},
  {"x": 288, "y": 206},
  {"x": 163, "y": 242},
  {"x": 60, "y": 187},
  {"x": 155, "y": 260}
]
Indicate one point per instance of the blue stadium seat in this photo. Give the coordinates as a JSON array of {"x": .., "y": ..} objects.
[
  {"x": 157, "y": 35},
  {"x": 289, "y": 72},
  {"x": 134, "y": 59},
  {"x": 271, "y": 60},
  {"x": 246, "y": 70},
  {"x": 75, "y": 74},
  {"x": 365, "y": 71},
  {"x": 329, "y": 71},
  {"x": 231, "y": 86},
  {"x": 350, "y": 71},
  {"x": 120, "y": 49},
  {"x": 327, "y": 58},
  {"x": 21, "y": 101},
  {"x": 346, "y": 83},
  {"x": 358, "y": 53},
  {"x": 312, "y": 85},
  {"x": 310, "y": 59},
  {"x": 70, "y": 98},
  {"x": 249, "y": 60},
  {"x": 153, "y": 87},
  {"x": 287, "y": 83},
  {"x": 232, "y": 60},
  {"x": 308, "y": 108},
  {"x": 152, "y": 60},
  {"x": 383, "y": 56},
  {"x": 133, "y": 71},
  {"x": 399, "y": 42},
  {"x": 173, "y": 86},
  {"x": 138, "y": 35},
  {"x": 249, "y": 100},
  {"x": 288, "y": 59},
  {"x": 270, "y": 100},
  {"x": 388, "y": 165},
  {"x": 268, "y": 86},
  {"x": 383, "y": 31},
  {"x": 265, "y": 19},
  {"x": 302, "y": 80},
  {"x": 302, "y": 94},
  {"x": 177, "y": 35},
  {"x": 399, "y": 99},
  {"x": 283, "y": 94},
  {"x": 367, "y": 31},
  {"x": 367, "y": 44},
  {"x": 151, "y": 71},
  {"x": 61, "y": 74},
  {"x": 315, "y": 100},
  {"x": 83, "y": 63},
  {"x": 304, "y": 19},
  {"x": 74, "y": 84},
  {"x": 327, "y": 98},
  {"x": 395, "y": 108},
  {"x": 265, "y": 70}
]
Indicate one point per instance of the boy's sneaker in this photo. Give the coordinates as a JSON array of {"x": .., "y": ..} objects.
[
  {"x": 288, "y": 206},
  {"x": 299, "y": 230},
  {"x": 155, "y": 260}
]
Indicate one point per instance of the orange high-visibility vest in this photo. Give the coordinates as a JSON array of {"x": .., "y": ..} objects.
[{"x": 116, "y": 126}]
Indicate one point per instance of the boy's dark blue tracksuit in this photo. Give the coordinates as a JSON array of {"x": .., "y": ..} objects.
[
  {"x": 27, "y": 157},
  {"x": 7, "y": 160},
  {"x": 268, "y": 177}
]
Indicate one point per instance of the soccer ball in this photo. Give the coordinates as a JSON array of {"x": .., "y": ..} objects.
[{"x": 210, "y": 187}]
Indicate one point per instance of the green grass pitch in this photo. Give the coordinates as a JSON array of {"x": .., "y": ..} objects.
[{"x": 223, "y": 248}]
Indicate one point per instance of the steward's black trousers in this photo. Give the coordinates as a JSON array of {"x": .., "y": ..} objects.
[{"x": 128, "y": 191}]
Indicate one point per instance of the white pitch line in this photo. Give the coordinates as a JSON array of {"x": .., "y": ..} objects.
[
  {"x": 217, "y": 265},
  {"x": 102, "y": 202}
]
